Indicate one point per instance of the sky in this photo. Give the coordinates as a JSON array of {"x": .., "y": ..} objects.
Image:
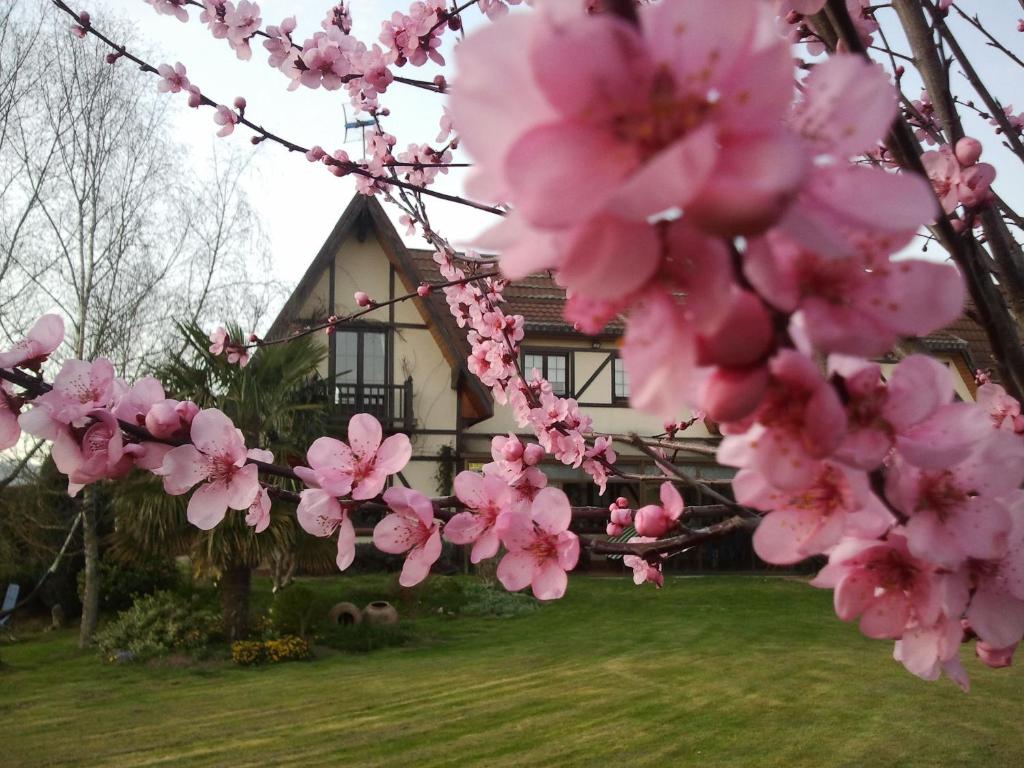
[{"x": 298, "y": 202}]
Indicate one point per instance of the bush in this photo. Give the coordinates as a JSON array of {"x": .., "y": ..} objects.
[
  {"x": 485, "y": 599},
  {"x": 122, "y": 583},
  {"x": 247, "y": 653},
  {"x": 363, "y": 638},
  {"x": 155, "y": 625},
  {"x": 298, "y": 609}
]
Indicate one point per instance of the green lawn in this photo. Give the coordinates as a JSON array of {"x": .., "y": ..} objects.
[{"x": 729, "y": 671}]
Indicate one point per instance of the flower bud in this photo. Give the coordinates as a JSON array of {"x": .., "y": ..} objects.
[
  {"x": 968, "y": 151},
  {"x": 651, "y": 521},
  {"x": 532, "y": 454},
  {"x": 423, "y": 290},
  {"x": 362, "y": 298},
  {"x": 613, "y": 530},
  {"x": 622, "y": 517}
]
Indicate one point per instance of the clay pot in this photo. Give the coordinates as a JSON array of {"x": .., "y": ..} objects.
[
  {"x": 345, "y": 614},
  {"x": 380, "y": 612}
]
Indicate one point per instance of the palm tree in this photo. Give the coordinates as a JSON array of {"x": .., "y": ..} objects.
[{"x": 274, "y": 401}]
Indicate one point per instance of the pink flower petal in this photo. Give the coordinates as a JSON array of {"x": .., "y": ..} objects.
[
  {"x": 544, "y": 171},
  {"x": 551, "y": 510},
  {"x": 364, "y": 435},
  {"x": 394, "y": 454},
  {"x": 208, "y": 505},
  {"x": 549, "y": 581},
  {"x": 515, "y": 571},
  {"x": 346, "y": 543}
]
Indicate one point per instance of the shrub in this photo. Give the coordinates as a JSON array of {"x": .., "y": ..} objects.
[
  {"x": 121, "y": 583},
  {"x": 363, "y": 638},
  {"x": 287, "y": 648},
  {"x": 155, "y": 625},
  {"x": 297, "y": 609},
  {"x": 247, "y": 653},
  {"x": 486, "y": 599}
]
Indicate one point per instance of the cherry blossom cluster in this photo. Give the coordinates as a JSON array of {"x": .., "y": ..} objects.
[
  {"x": 757, "y": 249},
  {"x": 957, "y": 176},
  {"x": 101, "y": 428},
  {"x": 234, "y": 350},
  {"x": 559, "y": 425}
]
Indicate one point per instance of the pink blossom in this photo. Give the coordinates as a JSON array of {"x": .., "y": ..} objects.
[
  {"x": 956, "y": 184},
  {"x": 32, "y": 351},
  {"x": 445, "y": 125},
  {"x": 1002, "y": 408},
  {"x": 929, "y": 650},
  {"x": 960, "y": 511},
  {"x": 912, "y": 411},
  {"x": 860, "y": 304},
  {"x": 218, "y": 339},
  {"x": 849, "y": 105},
  {"x": 540, "y": 546},
  {"x": 612, "y": 117},
  {"x": 883, "y": 583},
  {"x": 217, "y": 459},
  {"x": 411, "y": 528},
  {"x": 320, "y": 514},
  {"x": 799, "y": 422},
  {"x": 279, "y": 43},
  {"x": 258, "y": 516},
  {"x": 96, "y": 455},
  {"x": 654, "y": 520},
  {"x": 171, "y": 419},
  {"x": 173, "y": 8},
  {"x": 362, "y": 466},
  {"x": 996, "y": 611},
  {"x": 812, "y": 520},
  {"x": 488, "y": 498},
  {"x": 322, "y": 62},
  {"x": 643, "y": 571},
  {"x": 598, "y": 458},
  {"x": 173, "y": 79},
  {"x": 78, "y": 389},
  {"x": 242, "y": 22},
  {"x": 227, "y": 118}
]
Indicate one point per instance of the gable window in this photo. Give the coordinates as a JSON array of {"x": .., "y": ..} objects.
[
  {"x": 361, "y": 376},
  {"x": 553, "y": 366},
  {"x": 620, "y": 380}
]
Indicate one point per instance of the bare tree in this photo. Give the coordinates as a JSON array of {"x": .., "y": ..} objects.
[{"x": 98, "y": 221}]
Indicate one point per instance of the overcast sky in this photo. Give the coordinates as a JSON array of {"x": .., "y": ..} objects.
[{"x": 298, "y": 203}]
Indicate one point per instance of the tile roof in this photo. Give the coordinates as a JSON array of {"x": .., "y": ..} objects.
[{"x": 538, "y": 299}]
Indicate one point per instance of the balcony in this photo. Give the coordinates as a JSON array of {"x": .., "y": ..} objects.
[{"x": 390, "y": 404}]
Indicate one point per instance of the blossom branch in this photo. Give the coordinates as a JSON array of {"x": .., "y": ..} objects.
[{"x": 265, "y": 135}]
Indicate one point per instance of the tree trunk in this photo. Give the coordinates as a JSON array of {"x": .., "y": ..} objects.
[
  {"x": 234, "y": 599},
  {"x": 91, "y": 593}
]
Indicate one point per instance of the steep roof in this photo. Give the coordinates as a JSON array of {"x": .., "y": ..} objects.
[{"x": 366, "y": 214}]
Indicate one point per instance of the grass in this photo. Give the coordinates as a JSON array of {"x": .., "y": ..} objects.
[{"x": 723, "y": 671}]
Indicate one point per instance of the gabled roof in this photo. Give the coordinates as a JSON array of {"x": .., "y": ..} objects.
[{"x": 365, "y": 214}]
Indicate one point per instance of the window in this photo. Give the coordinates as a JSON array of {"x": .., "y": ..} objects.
[
  {"x": 360, "y": 368},
  {"x": 620, "y": 380},
  {"x": 553, "y": 366}
]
